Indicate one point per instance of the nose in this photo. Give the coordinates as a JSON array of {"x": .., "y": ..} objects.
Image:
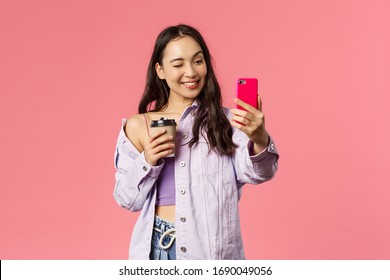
[{"x": 190, "y": 71}]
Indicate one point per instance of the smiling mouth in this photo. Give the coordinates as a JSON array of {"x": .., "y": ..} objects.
[{"x": 190, "y": 84}]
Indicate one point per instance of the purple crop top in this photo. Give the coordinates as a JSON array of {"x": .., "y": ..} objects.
[
  {"x": 166, "y": 184},
  {"x": 166, "y": 194}
]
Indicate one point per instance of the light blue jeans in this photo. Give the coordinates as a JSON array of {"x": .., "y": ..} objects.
[{"x": 163, "y": 240}]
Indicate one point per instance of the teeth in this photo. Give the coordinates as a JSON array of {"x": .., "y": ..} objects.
[{"x": 191, "y": 84}]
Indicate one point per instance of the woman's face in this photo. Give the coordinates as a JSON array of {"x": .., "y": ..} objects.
[{"x": 183, "y": 67}]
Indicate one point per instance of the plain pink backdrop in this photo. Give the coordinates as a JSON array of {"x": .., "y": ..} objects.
[{"x": 70, "y": 70}]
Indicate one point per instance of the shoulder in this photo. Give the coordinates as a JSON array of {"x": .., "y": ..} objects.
[
  {"x": 134, "y": 123},
  {"x": 135, "y": 129}
]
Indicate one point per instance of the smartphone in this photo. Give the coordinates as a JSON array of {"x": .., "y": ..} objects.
[{"x": 247, "y": 91}]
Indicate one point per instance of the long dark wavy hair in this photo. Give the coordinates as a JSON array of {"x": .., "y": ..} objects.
[{"x": 209, "y": 116}]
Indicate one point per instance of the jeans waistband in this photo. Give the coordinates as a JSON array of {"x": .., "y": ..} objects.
[{"x": 158, "y": 222}]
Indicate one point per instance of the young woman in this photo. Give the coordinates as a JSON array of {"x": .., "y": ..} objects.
[{"x": 189, "y": 202}]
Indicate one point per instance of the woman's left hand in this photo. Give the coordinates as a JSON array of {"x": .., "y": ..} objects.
[{"x": 251, "y": 122}]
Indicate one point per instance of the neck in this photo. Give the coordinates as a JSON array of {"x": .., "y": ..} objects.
[{"x": 177, "y": 104}]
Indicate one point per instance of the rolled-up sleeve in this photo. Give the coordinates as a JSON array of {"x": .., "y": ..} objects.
[
  {"x": 254, "y": 169},
  {"x": 266, "y": 162},
  {"x": 134, "y": 177}
]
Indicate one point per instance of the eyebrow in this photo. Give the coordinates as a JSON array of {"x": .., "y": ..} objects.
[{"x": 176, "y": 59}]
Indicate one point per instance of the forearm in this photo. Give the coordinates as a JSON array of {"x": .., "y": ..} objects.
[{"x": 261, "y": 144}]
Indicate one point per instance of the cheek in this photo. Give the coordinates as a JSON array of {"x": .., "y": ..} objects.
[
  {"x": 173, "y": 75},
  {"x": 203, "y": 70}
]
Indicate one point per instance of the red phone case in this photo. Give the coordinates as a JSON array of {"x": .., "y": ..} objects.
[{"x": 247, "y": 91}]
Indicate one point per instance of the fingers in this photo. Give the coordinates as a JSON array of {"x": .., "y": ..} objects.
[
  {"x": 241, "y": 113},
  {"x": 241, "y": 117},
  {"x": 259, "y": 103},
  {"x": 248, "y": 107},
  {"x": 157, "y": 135},
  {"x": 162, "y": 150},
  {"x": 250, "y": 120},
  {"x": 159, "y": 146},
  {"x": 246, "y": 117},
  {"x": 244, "y": 128},
  {"x": 152, "y": 156},
  {"x": 159, "y": 138},
  {"x": 238, "y": 125},
  {"x": 244, "y": 105}
]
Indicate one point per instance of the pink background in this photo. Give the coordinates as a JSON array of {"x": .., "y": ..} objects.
[{"x": 70, "y": 70}]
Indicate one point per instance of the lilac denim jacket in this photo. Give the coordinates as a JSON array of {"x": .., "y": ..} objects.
[{"x": 208, "y": 188}]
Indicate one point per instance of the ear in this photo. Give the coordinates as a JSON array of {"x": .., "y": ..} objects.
[{"x": 159, "y": 71}]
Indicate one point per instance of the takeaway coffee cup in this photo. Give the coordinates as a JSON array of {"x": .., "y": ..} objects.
[{"x": 169, "y": 125}]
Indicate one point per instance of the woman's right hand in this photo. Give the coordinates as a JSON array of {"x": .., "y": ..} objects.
[{"x": 159, "y": 145}]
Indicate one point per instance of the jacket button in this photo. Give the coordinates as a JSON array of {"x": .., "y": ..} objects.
[
  {"x": 182, "y": 164},
  {"x": 145, "y": 168},
  {"x": 185, "y": 136},
  {"x": 183, "y": 219},
  {"x": 272, "y": 146},
  {"x": 183, "y": 249},
  {"x": 182, "y": 191}
]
